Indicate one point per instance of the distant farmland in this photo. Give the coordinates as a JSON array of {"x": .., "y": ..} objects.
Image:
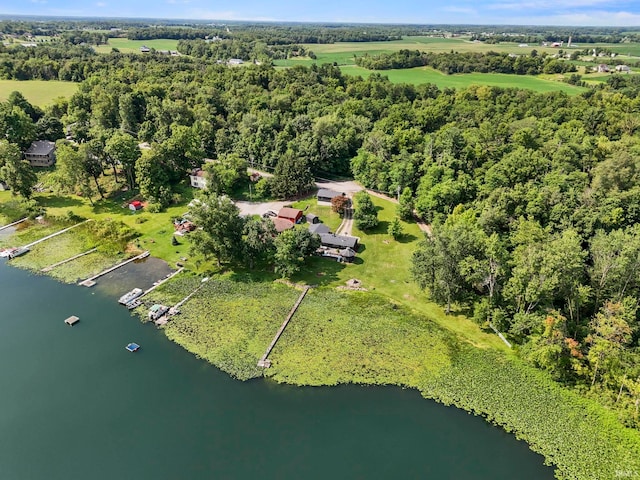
[
  {"x": 133, "y": 46},
  {"x": 37, "y": 92},
  {"x": 420, "y": 75}
]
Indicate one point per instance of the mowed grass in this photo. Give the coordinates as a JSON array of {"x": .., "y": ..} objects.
[
  {"x": 38, "y": 92},
  {"x": 133, "y": 46},
  {"x": 419, "y": 75}
]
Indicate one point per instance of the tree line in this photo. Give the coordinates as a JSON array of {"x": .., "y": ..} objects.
[{"x": 467, "y": 62}]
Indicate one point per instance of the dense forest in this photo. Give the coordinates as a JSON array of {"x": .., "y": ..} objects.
[{"x": 534, "y": 199}]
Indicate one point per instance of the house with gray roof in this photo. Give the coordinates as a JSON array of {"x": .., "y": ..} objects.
[
  {"x": 325, "y": 195},
  {"x": 318, "y": 228},
  {"x": 332, "y": 240},
  {"x": 41, "y": 153}
]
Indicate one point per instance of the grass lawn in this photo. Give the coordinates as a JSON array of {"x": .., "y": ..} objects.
[
  {"x": 133, "y": 46},
  {"x": 38, "y": 92},
  {"x": 327, "y": 216},
  {"x": 420, "y": 75}
]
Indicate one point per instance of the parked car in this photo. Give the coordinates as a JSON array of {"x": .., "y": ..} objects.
[{"x": 269, "y": 213}]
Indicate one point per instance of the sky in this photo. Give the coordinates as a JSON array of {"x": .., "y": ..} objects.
[{"x": 502, "y": 12}]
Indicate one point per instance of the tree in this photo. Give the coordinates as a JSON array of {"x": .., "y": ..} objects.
[
  {"x": 259, "y": 238},
  {"x": 122, "y": 148},
  {"x": 405, "y": 204},
  {"x": 220, "y": 227},
  {"x": 366, "y": 215},
  {"x": 49, "y": 128},
  {"x": 340, "y": 203},
  {"x": 15, "y": 171},
  {"x": 292, "y": 177},
  {"x": 153, "y": 179},
  {"x": 395, "y": 229},
  {"x": 71, "y": 173},
  {"x": 224, "y": 173},
  {"x": 92, "y": 164},
  {"x": 16, "y": 126},
  {"x": 292, "y": 246},
  {"x": 442, "y": 261}
]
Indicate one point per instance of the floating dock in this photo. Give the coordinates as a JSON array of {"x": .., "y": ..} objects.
[
  {"x": 132, "y": 347},
  {"x": 264, "y": 362},
  {"x": 72, "y": 320},
  {"x": 91, "y": 281}
]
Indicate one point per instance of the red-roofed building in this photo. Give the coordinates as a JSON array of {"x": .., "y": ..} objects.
[
  {"x": 135, "y": 205},
  {"x": 292, "y": 214}
]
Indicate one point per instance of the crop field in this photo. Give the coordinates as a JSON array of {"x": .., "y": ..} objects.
[
  {"x": 38, "y": 92},
  {"x": 420, "y": 75},
  {"x": 133, "y": 46}
]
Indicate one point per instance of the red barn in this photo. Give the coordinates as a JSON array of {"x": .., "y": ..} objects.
[{"x": 292, "y": 214}]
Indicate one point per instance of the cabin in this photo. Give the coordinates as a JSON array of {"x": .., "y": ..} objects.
[
  {"x": 312, "y": 218},
  {"x": 292, "y": 214},
  {"x": 281, "y": 224},
  {"x": 41, "y": 153},
  {"x": 348, "y": 255},
  {"x": 319, "y": 228},
  {"x": 135, "y": 205},
  {"x": 198, "y": 178},
  {"x": 325, "y": 195},
  {"x": 332, "y": 240}
]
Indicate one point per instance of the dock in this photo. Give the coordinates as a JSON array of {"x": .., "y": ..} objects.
[
  {"x": 51, "y": 267},
  {"x": 14, "y": 223},
  {"x": 91, "y": 281},
  {"x": 72, "y": 320},
  {"x": 132, "y": 347},
  {"x": 64, "y": 230},
  {"x": 166, "y": 279},
  {"x": 264, "y": 361}
]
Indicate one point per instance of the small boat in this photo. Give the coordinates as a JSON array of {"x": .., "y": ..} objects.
[
  {"x": 157, "y": 311},
  {"x": 134, "y": 304},
  {"x": 18, "y": 251},
  {"x": 133, "y": 347},
  {"x": 130, "y": 296}
]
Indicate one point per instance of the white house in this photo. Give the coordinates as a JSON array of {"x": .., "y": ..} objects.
[
  {"x": 623, "y": 69},
  {"x": 198, "y": 178}
]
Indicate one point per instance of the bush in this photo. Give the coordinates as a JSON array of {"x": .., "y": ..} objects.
[
  {"x": 366, "y": 216},
  {"x": 263, "y": 187},
  {"x": 154, "y": 208}
]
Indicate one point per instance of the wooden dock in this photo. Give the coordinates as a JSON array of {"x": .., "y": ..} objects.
[
  {"x": 51, "y": 267},
  {"x": 13, "y": 224},
  {"x": 72, "y": 320},
  {"x": 264, "y": 361},
  {"x": 65, "y": 230},
  {"x": 91, "y": 281},
  {"x": 166, "y": 279}
]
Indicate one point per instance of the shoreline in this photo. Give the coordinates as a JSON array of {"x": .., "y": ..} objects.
[{"x": 448, "y": 381}]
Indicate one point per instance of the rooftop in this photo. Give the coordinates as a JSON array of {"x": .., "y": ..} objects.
[{"x": 41, "y": 147}]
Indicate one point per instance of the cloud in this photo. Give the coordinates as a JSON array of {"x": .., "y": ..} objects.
[
  {"x": 553, "y": 5},
  {"x": 202, "y": 14},
  {"x": 456, "y": 9},
  {"x": 101, "y": 4}
]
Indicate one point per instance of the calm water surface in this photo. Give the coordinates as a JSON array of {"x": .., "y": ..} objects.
[{"x": 75, "y": 405}]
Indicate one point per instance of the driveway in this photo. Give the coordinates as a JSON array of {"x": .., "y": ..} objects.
[{"x": 258, "y": 208}]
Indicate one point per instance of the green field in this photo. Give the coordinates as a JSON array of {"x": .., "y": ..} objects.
[
  {"x": 420, "y": 75},
  {"x": 133, "y": 46},
  {"x": 38, "y": 92}
]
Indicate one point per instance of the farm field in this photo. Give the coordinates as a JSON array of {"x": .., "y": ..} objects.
[
  {"x": 38, "y": 92},
  {"x": 133, "y": 46},
  {"x": 420, "y": 75}
]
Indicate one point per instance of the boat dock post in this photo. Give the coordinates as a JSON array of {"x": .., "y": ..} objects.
[{"x": 264, "y": 362}]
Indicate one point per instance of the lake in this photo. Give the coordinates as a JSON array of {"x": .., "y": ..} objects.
[{"x": 74, "y": 404}]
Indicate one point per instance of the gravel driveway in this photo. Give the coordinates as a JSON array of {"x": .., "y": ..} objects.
[{"x": 258, "y": 208}]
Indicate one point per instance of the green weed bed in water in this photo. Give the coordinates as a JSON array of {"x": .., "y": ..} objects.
[{"x": 358, "y": 337}]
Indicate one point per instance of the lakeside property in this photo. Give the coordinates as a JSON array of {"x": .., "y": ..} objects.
[{"x": 379, "y": 337}]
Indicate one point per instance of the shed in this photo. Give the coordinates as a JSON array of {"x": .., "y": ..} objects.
[
  {"x": 312, "y": 218},
  {"x": 292, "y": 214},
  {"x": 281, "y": 224},
  {"x": 318, "y": 228},
  {"x": 338, "y": 241},
  {"x": 135, "y": 205}
]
